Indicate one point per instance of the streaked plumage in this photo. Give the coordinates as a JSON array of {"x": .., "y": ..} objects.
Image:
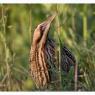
[{"x": 44, "y": 59}]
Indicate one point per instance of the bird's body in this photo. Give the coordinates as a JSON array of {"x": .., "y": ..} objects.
[
  {"x": 39, "y": 70},
  {"x": 43, "y": 64},
  {"x": 44, "y": 61}
]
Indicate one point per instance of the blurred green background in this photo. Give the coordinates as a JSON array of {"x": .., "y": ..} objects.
[{"x": 76, "y": 27}]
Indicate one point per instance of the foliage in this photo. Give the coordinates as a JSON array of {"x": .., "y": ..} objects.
[{"x": 75, "y": 26}]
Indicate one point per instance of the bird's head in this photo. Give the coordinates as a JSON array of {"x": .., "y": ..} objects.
[{"x": 42, "y": 29}]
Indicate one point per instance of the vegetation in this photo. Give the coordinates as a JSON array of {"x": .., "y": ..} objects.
[{"x": 73, "y": 23}]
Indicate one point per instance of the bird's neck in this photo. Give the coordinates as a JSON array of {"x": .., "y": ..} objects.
[{"x": 44, "y": 39}]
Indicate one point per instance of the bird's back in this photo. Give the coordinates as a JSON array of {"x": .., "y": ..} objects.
[
  {"x": 52, "y": 60},
  {"x": 51, "y": 52}
]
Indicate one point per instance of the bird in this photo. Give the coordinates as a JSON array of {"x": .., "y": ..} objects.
[{"x": 43, "y": 58}]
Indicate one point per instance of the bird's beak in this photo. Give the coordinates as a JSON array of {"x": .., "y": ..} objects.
[
  {"x": 45, "y": 29},
  {"x": 46, "y": 24},
  {"x": 50, "y": 19}
]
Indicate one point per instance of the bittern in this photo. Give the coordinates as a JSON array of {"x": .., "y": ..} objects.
[{"x": 43, "y": 57}]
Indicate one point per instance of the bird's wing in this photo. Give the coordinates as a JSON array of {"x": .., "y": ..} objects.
[
  {"x": 67, "y": 59},
  {"x": 50, "y": 55}
]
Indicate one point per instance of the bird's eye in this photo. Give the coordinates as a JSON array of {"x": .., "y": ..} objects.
[{"x": 42, "y": 28}]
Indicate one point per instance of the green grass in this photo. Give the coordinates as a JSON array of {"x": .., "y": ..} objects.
[{"x": 75, "y": 25}]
